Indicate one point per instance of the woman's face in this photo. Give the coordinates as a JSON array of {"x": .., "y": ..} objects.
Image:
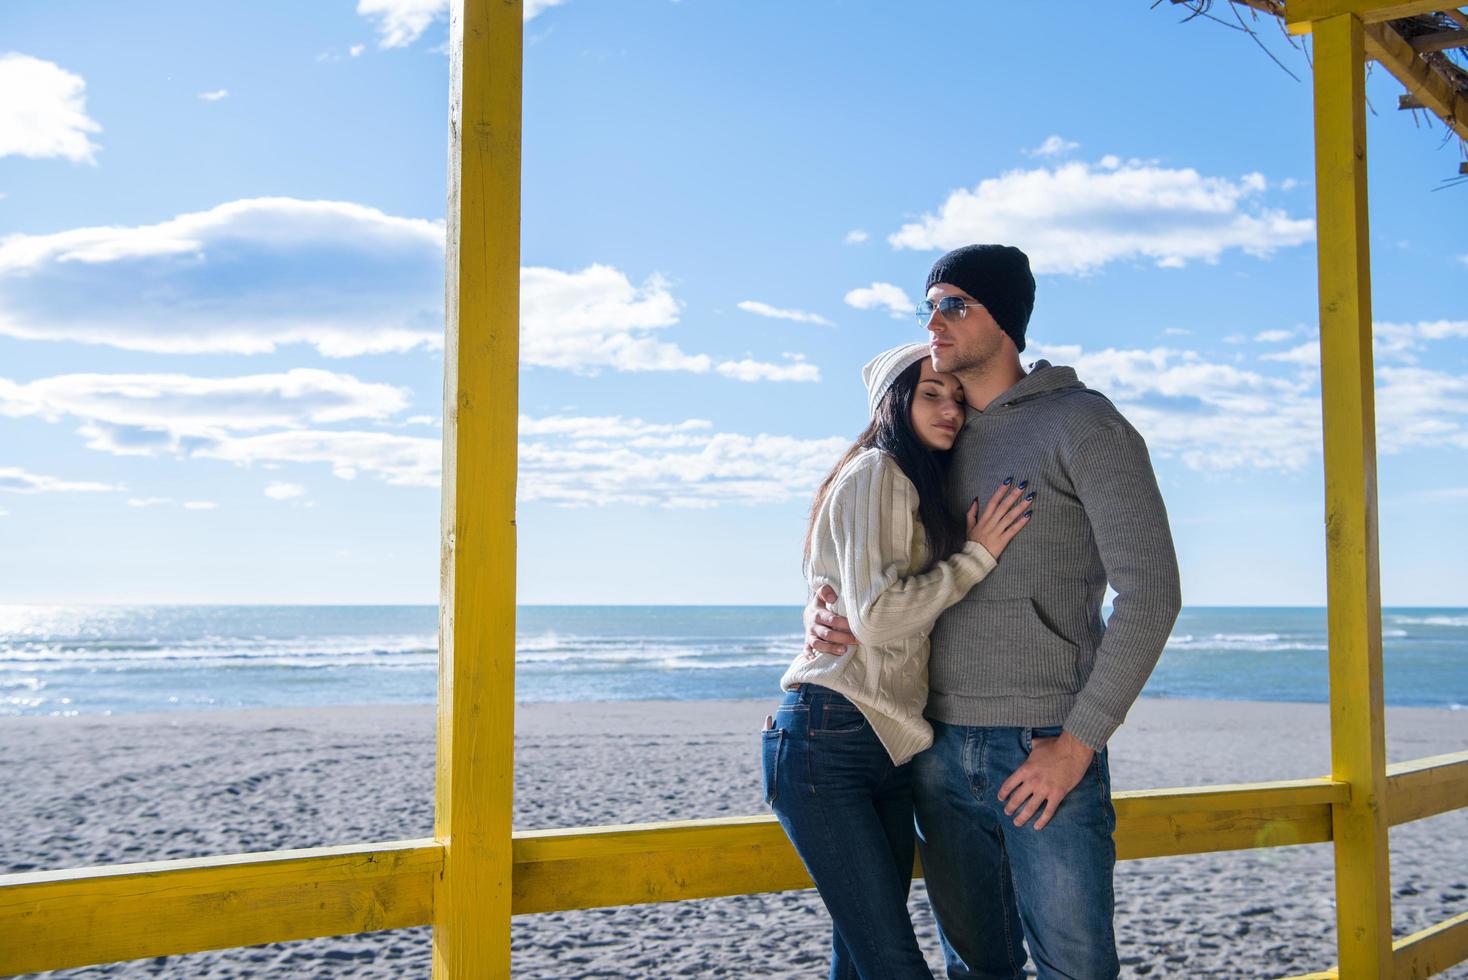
[{"x": 937, "y": 408}]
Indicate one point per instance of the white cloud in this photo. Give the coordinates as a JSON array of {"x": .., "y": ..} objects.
[
  {"x": 200, "y": 505},
  {"x": 1209, "y": 416},
  {"x": 534, "y": 8},
  {"x": 1054, "y": 146},
  {"x": 1390, "y": 341},
  {"x": 1306, "y": 355},
  {"x": 799, "y": 316},
  {"x": 596, "y": 318},
  {"x": 152, "y": 414},
  {"x": 1273, "y": 336},
  {"x": 43, "y": 112},
  {"x": 13, "y": 479},
  {"x": 1176, "y": 332},
  {"x": 602, "y": 460},
  {"x": 568, "y": 460},
  {"x": 882, "y": 295},
  {"x": 1224, "y": 417},
  {"x": 187, "y": 406},
  {"x": 1076, "y": 218},
  {"x": 249, "y": 276},
  {"x": 401, "y": 22},
  {"x": 748, "y": 370},
  {"x": 149, "y": 501},
  {"x": 409, "y": 461},
  {"x": 356, "y": 50},
  {"x": 215, "y": 96},
  {"x": 240, "y": 278},
  {"x": 284, "y": 491},
  {"x": 856, "y": 236}
]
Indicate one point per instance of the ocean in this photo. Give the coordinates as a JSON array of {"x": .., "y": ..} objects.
[{"x": 65, "y": 660}]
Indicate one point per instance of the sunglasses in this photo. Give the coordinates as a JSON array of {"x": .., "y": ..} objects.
[{"x": 953, "y": 309}]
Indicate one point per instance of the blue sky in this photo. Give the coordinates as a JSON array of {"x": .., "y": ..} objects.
[{"x": 221, "y": 286}]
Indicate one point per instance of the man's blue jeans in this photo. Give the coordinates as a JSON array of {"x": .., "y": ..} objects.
[
  {"x": 991, "y": 882},
  {"x": 848, "y": 811}
]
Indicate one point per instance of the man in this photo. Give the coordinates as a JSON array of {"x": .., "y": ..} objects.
[{"x": 1026, "y": 682}]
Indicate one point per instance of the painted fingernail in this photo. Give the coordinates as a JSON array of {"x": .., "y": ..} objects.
[
  {"x": 1008, "y": 480},
  {"x": 1024, "y": 484},
  {"x": 1027, "y": 513},
  {"x": 1029, "y": 497}
]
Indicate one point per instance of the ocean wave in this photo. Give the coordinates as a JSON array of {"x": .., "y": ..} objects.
[
  {"x": 1431, "y": 620},
  {"x": 1258, "y": 642}
]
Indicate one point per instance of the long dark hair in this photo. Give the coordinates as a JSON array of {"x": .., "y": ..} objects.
[{"x": 891, "y": 431}]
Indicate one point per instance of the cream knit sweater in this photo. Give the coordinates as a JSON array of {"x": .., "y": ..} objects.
[{"x": 866, "y": 544}]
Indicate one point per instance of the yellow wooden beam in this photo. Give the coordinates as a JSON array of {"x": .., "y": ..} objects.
[
  {"x": 1430, "y": 89},
  {"x": 1426, "y": 787},
  {"x": 1421, "y": 954},
  {"x": 476, "y": 696},
  {"x": 132, "y": 911},
  {"x": 1194, "y": 820},
  {"x": 628, "y": 865},
  {"x": 1358, "y": 746},
  {"x": 1432, "y": 950},
  {"x": 1299, "y": 13},
  {"x": 52, "y": 920}
]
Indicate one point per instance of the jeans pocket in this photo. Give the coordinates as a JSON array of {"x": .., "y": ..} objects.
[
  {"x": 839, "y": 719},
  {"x": 772, "y": 743},
  {"x": 1027, "y": 736}
]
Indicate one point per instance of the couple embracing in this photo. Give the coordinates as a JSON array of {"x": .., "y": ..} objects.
[{"x": 958, "y": 684}]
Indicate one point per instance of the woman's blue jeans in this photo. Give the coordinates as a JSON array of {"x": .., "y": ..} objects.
[{"x": 848, "y": 811}]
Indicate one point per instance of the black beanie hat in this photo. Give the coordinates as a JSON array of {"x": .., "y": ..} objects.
[{"x": 996, "y": 275}]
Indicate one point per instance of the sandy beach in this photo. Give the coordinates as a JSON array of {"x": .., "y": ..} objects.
[{"x": 97, "y": 790}]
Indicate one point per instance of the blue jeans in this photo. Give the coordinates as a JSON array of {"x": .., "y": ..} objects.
[
  {"x": 848, "y": 811},
  {"x": 991, "y": 882}
]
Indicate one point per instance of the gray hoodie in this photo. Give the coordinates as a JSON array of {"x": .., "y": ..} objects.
[{"x": 1027, "y": 646}]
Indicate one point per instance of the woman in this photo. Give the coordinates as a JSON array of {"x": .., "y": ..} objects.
[{"x": 835, "y": 760}]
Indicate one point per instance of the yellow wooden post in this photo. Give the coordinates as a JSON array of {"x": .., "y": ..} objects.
[
  {"x": 476, "y": 684},
  {"x": 1358, "y": 753}
]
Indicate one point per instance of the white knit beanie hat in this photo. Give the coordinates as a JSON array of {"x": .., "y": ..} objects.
[{"x": 883, "y": 369}]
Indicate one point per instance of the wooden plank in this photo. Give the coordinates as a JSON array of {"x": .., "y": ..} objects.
[
  {"x": 625, "y": 865},
  {"x": 1426, "y": 787},
  {"x": 1440, "y": 41},
  {"x": 52, "y": 920},
  {"x": 1422, "y": 954},
  {"x": 1358, "y": 746},
  {"x": 1424, "y": 84},
  {"x": 133, "y": 911},
  {"x": 476, "y": 706},
  {"x": 1432, "y": 950},
  {"x": 1299, "y": 13},
  {"x": 1195, "y": 820}
]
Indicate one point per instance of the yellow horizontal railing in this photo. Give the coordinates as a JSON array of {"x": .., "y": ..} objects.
[
  {"x": 57, "y": 919},
  {"x": 50, "y": 920},
  {"x": 1432, "y": 950},
  {"x": 1421, "y": 954},
  {"x": 557, "y": 870},
  {"x": 1414, "y": 790},
  {"x": 1426, "y": 787}
]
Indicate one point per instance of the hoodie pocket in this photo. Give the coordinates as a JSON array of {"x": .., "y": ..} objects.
[{"x": 1001, "y": 647}]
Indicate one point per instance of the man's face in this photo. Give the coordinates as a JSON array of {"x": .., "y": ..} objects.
[{"x": 968, "y": 344}]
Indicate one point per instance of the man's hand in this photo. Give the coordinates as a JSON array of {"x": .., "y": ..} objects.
[
  {"x": 825, "y": 632},
  {"x": 1054, "y": 767}
]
